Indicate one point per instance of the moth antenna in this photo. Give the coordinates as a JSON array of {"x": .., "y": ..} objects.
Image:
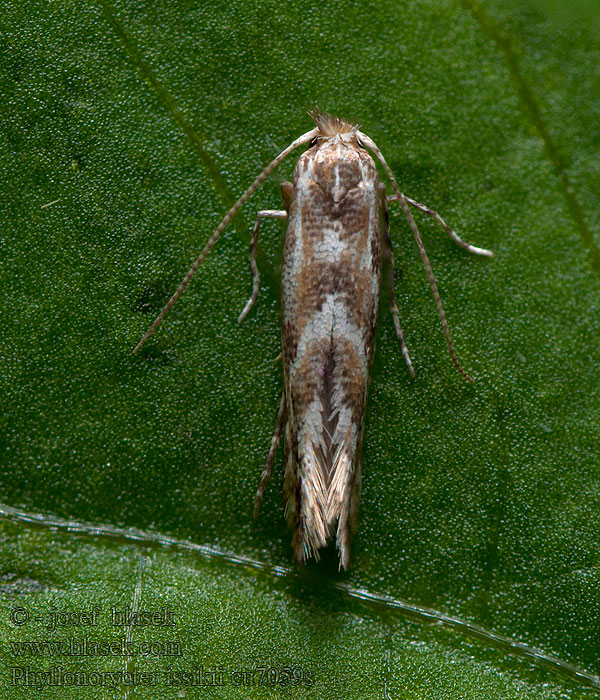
[
  {"x": 367, "y": 141},
  {"x": 305, "y": 138}
]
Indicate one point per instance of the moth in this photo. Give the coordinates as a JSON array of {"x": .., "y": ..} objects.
[{"x": 337, "y": 233}]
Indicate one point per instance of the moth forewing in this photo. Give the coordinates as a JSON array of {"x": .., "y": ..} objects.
[
  {"x": 330, "y": 294},
  {"x": 331, "y": 278}
]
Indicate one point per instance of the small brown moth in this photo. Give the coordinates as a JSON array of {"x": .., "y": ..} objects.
[{"x": 330, "y": 293}]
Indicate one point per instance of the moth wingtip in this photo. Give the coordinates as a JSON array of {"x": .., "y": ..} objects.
[{"x": 344, "y": 559}]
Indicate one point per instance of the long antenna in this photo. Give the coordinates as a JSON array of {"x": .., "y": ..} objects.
[
  {"x": 305, "y": 138},
  {"x": 367, "y": 141}
]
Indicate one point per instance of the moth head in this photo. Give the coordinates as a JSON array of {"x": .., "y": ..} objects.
[{"x": 331, "y": 127}]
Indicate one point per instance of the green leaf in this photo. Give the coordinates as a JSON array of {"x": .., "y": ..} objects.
[{"x": 128, "y": 130}]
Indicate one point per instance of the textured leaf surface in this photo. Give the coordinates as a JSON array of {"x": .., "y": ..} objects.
[{"x": 128, "y": 128}]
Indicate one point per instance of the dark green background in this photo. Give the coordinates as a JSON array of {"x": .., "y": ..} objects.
[{"x": 145, "y": 121}]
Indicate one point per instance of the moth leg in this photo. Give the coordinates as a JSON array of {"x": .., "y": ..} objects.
[
  {"x": 453, "y": 235},
  {"x": 276, "y": 214},
  {"x": 281, "y": 418},
  {"x": 287, "y": 194},
  {"x": 387, "y": 244},
  {"x": 369, "y": 143}
]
